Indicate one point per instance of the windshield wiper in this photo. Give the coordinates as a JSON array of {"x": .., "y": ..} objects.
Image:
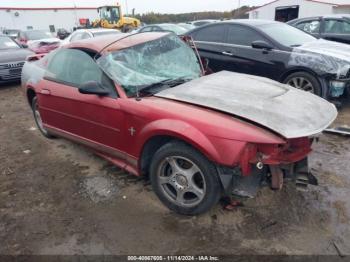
[{"x": 158, "y": 86}]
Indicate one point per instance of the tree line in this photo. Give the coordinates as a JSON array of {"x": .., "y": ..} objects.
[{"x": 156, "y": 18}]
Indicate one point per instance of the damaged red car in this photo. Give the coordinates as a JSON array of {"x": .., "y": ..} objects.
[{"x": 142, "y": 102}]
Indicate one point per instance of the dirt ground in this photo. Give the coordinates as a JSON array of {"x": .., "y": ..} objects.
[{"x": 57, "y": 197}]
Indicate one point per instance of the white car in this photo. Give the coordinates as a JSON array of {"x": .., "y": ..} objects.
[{"x": 88, "y": 33}]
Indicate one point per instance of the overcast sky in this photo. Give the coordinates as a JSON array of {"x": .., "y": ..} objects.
[{"x": 143, "y": 6}]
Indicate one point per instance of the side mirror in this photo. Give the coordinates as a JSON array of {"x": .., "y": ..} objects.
[
  {"x": 262, "y": 45},
  {"x": 93, "y": 88}
]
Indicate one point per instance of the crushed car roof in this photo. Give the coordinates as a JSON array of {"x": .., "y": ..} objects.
[{"x": 121, "y": 41}]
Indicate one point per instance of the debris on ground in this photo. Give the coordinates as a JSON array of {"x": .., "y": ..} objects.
[
  {"x": 99, "y": 188},
  {"x": 268, "y": 225},
  {"x": 7, "y": 171},
  {"x": 230, "y": 204},
  {"x": 338, "y": 249}
]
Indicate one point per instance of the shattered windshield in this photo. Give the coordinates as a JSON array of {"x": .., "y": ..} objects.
[{"x": 164, "y": 59}]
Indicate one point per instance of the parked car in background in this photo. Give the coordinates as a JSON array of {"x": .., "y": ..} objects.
[
  {"x": 12, "y": 57},
  {"x": 187, "y": 26},
  {"x": 277, "y": 51},
  {"x": 31, "y": 36},
  {"x": 39, "y": 41},
  {"x": 331, "y": 27},
  {"x": 179, "y": 30},
  {"x": 145, "y": 105},
  {"x": 62, "y": 33},
  {"x": 13, "y": 33},
  {"x": 89, "y": 33},
  {"x": 203, "y": 22}
]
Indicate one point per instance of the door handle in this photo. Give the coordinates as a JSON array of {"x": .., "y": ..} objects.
[
  {"x": 227, "y": 53},
  {"x": 45, "y": 92}
]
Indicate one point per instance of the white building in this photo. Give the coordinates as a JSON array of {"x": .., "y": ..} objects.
[
  {"x": 285, "y": 10},
  {"x": 48, "y": 18}
]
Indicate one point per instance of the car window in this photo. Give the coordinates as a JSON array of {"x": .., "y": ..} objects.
[
  {"x": 156, "y": 29},
  {"x": 38, "y": 34},
  {"x": 7, "y": 43},
  {"x": 75, "y": 67},
  {"x": 148, "y": 63},
  {"x": 85, "y": 36},
  {"x": 146, "y": 29},
  {"x": 286, "y": 35},
  {"x": 76, "y": 37},
  {"x": 212, "y": 33},
  {"x": 337, "y": 26},
  {"x": 240, "y": 35},
  {"x": 173, "y": 28},
  {"x": 311, "y": 26}
]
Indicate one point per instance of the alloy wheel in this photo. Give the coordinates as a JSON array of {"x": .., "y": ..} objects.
[
  {"x": 181, "y": 181},
  {"x": 301, "y": 83}
]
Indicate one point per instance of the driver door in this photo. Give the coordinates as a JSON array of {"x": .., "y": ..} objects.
[
  {"x": 243, "y": 58},
  {"x": 90, "y": 119}
]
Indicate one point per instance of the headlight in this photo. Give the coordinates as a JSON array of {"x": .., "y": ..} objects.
[
  {"x": 337, "y": 88},
  {"x": 337, "y": 84}
]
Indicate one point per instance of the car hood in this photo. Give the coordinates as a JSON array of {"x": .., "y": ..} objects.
[
  {"x": 14, "y": 55},
  {"x": 323, "y": 57},
  {"x": 283, "y": 109}
]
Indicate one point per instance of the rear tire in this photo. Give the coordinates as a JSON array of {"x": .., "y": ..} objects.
[
  {"x": 38, "y": 120},
  {"x": 184, "y": 180},
  {"x": 304, "y": 81}
]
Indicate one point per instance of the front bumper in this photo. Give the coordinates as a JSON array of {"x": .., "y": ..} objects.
[
  {"x": 234, "y": 183},
  {"x": 11, "y": 71}
]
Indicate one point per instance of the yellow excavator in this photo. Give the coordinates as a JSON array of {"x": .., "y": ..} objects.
[{"x": 112, "y": 17}]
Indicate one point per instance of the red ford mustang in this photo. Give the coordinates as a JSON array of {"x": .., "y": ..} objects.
[{"x": 142, "y": 102}]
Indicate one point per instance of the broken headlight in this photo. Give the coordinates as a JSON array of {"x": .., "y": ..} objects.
[{"x": 337, "y": 87}]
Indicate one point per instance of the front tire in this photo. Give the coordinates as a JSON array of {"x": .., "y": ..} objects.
[
  {"x": 184, "y": 180},
  {"x": 304, "y": 81},
  {"x": 37, "y": 118}
]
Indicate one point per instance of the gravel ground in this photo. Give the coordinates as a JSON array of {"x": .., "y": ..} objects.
[{"x": 57, "y": 197}]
